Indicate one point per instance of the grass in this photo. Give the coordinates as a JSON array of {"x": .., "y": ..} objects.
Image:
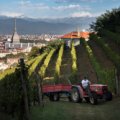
[
  {"x": 4, "y": 116},
  {"x": 63, "y": 110}
]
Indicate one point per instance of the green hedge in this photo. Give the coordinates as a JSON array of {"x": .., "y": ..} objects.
[
  {"x": 114, "y": 37},
  {"x": 11, "y": 93},
  {"x": 113, "y": 56}
]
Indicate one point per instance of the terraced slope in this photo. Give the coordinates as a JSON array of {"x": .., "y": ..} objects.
[
  {"x": 84, "y": 65},
  {"x": 100, "y": 55}
]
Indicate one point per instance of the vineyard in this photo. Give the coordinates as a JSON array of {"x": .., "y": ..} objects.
[
  {"x": 97, "y": 59},
  {"x": 21, "y": 95}
]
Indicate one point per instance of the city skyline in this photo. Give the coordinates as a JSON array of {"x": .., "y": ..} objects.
[{"x": 56, "y": 8}]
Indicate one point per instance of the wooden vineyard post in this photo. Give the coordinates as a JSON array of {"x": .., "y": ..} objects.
[
  {"x": 39, "y": 86},
  {"x": 24, "y": 88},
  {"x": 117, "y": 74}
]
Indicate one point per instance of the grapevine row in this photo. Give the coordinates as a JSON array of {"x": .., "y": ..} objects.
[
  {"x": 35, "y": 64},
  {"x": 59, "y": 61},
  {"x": 46, "y": 62},
  {"x": 30, "y": 62},
  {"x": 74, "y": 58},
  {"x": 73, "y": 76}
]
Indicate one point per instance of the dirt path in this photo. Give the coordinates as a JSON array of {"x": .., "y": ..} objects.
[
  {"x": 84, "y": 65},
  {"x": 100, "y": 55},
  {"x": 66, "y": 66}
]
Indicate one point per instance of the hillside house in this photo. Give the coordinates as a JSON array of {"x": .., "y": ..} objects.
[{"x": 75, "y": 37}]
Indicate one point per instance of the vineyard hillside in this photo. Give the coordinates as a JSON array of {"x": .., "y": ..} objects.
[
  {"x": 84, "y": 65},
  {"x": 58, "y": 64}
]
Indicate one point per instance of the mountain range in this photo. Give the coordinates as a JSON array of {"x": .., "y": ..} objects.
[{"x": 44, "y": 26}]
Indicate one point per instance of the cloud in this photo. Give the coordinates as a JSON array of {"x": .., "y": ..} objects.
[
  {"x": 24, "y": 2},
  {"x": 41, "y": 6},
  {"x": 81, "y": 14},
  {"x": 11, "y": 14},
  {"x": 69, "y": 7},
  {"x": 85, "y": 14},
  {"x": 73, "y": 9},
  {"x": 27, "y": 4},
  {"x": 66, "y": 1},
  {"x": 75, "y": 1},
  {"x": 115, "y": 0}
]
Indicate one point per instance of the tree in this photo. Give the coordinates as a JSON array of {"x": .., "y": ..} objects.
[
  {"x": 109, "y": 21},
  {"x": 34, "y": 51}
]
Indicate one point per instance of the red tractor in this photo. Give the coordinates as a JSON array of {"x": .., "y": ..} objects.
[{"x": 76, "y": 93}]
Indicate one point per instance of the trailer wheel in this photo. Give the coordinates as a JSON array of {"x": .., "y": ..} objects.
[
  {"x": 93, "y": 99},
  {"x": 54, "y": 97},
  {"x": 107, "y": 96},
  {"x": 75, "y": 95},
  {"x": 69, "y": 98}
]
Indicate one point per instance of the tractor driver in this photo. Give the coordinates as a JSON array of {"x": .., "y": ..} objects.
[{"x": 86, "y": 85}]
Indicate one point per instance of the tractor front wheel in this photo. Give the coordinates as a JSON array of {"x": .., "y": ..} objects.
[{"x": 54, "y": 97}]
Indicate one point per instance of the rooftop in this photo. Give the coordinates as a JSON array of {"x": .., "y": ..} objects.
[{"x": 76, "y": 34}]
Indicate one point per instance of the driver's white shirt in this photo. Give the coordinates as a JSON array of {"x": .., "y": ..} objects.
[{"x": 85, "y": 83}]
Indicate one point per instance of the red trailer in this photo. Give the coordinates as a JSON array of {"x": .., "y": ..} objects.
[{"x": 76, "y": 93}]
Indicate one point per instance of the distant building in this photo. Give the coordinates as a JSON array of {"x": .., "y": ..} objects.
[
  {"x": 2, "y": 60},
  {"x": 3, "y": 66},
  {"x": 2, "y": 46},
  {"x": 14, "y": 42},
  {"x": 75, "y": 37},
  {"x": 3, "y": 53},
  {"x": 12, "y": 61}
]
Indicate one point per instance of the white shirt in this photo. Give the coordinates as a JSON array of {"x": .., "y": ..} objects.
[{"x": 85, "y": 83}]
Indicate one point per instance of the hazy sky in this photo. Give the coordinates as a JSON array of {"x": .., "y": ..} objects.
[{"x": 56, "y": 8}]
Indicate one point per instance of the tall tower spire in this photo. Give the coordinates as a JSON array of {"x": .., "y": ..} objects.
[
  {"x": 15, "y": 37},
  {"x": 15, "y": 30}
]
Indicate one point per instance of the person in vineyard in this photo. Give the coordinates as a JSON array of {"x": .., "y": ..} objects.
[{"x": 86, "y": 85}]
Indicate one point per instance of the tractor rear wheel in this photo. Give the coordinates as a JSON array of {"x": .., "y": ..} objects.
[
  {"x": 93, "y": 99},
  {"x": 107, "y": 96},
  {"x": 75, "y": 95}
]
